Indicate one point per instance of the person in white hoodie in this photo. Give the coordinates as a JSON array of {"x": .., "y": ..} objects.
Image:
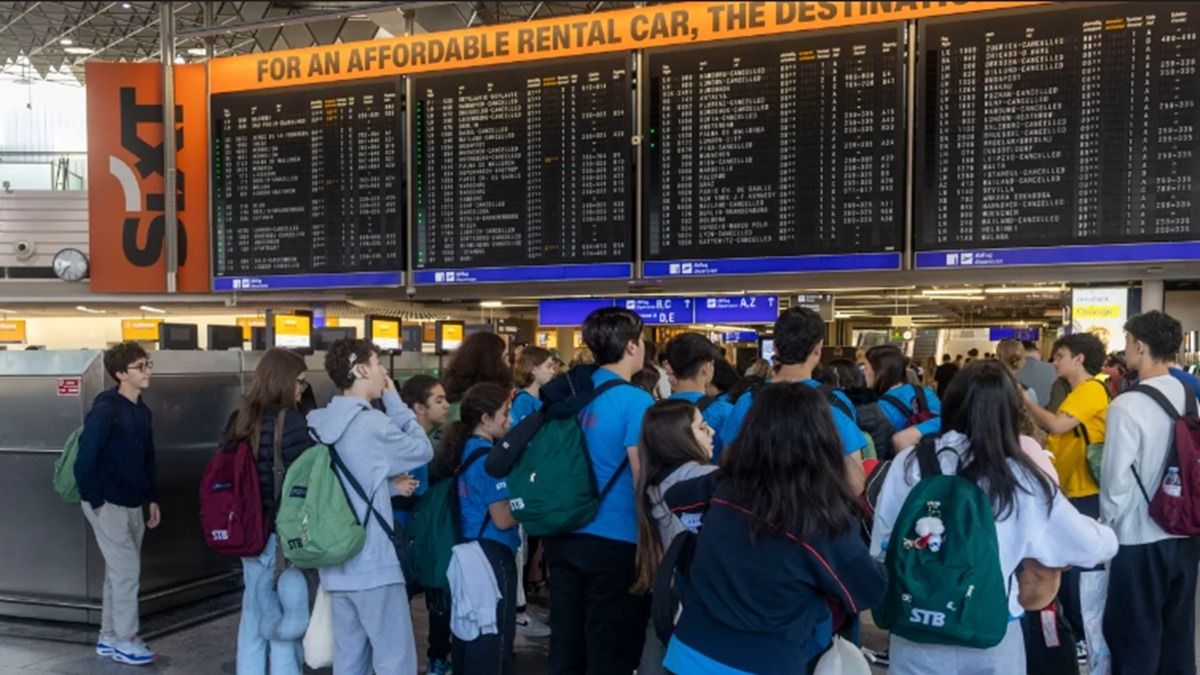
[
  {"x": 372, "y": 626},
  {"x": 1150, "y": 618},
  {"x": 981, "y": 425}
]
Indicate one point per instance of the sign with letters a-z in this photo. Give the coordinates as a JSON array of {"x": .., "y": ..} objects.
[{"x": 126, "y": 204}]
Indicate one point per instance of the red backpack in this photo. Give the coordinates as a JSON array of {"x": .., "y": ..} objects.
[
  {"x": 231, "y": 513},
  {"x": 1176, "y": 503}
]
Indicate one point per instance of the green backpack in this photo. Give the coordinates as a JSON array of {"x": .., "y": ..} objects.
[
  {"x": 435, "y": 528},
  {"x": 64, "y": 469},
  {"x": 945, "y": 585},
  {"x": 552, "y": 486},
  {"x": 1093, "y": 452},
  {"x": 316, "y": 525}
]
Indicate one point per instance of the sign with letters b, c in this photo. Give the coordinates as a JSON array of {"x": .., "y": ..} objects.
[{"x": 126, "y": 204}]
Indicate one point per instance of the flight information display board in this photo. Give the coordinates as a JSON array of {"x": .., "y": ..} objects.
[
  {"x": 308, "y": 186},
  {"x": 524, "y": 173},
  {"x": 779, "y": 155},
  {"x": 1059, "y": 135}
]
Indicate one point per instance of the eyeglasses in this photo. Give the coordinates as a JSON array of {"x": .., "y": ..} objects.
[{"x": 142, "y": 367}]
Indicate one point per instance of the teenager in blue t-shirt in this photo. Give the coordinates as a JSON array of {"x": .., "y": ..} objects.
[
  {"x": 886, "y": 375},
  {"x": 597, "y": 625},
  {"x": 535, "y": 367},
  {"x": 485, "y": 517},
  {"x": 692, "y": 359},
  {"x": 799, "y": 336}
]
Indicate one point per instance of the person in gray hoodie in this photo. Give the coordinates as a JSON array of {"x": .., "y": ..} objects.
[{"x": 372, "y": 626}]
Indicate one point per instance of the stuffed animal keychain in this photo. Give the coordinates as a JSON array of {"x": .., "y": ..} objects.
[{"x": 930, "y": 529}]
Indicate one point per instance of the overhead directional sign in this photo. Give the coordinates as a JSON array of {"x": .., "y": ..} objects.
[{"x": 737, "y": 309}]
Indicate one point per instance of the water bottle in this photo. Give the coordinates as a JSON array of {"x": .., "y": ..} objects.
[{"x": 1173, "y": 484}]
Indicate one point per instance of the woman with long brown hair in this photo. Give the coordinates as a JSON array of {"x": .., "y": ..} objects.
[
  {"x": 269, "y": 411},
  {"x": 481, "y": 358},
  {"x": 676, "y": 445}
]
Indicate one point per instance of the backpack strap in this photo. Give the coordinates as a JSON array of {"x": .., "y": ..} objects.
[
  {"x": 898, "y": 405},
  {"x": 1189, "y": 409},
  {"x": 462, "y": 468},
  {"x": 836, "y": 401},
  {"x": 665, "y": 604},
  {"x": 358, "y": 490},
  {"x": 705, "y": 401},
  {"x": 927, "y": 458},
  {"x": 280, "y": 562},
  {"x": 1081, "y": 428},
  {"x": 921, "y": 401}
]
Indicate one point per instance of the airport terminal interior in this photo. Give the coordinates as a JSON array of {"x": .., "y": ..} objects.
[{"x": 944, "y": 181}]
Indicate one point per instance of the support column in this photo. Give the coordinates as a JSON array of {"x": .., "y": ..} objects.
[
  {"x": 166, "y": 23},
  {"x": 1153, "y": 295}
]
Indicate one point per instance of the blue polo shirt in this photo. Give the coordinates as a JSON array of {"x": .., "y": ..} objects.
[
  {"x": 853, "y": 438},
  {"x": 715, "y": 414},
  {"x": 610, "y": 424},
  {"x": 522, "y": 405},
  {"x": 907, "y": 394},
  {"x": 476, "y": 490}
]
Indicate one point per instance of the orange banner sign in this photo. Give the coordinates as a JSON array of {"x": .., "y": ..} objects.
[
  {"x": 127, "y": 228},
  {"x": 248, "y": 323},
  {"x": 577, "y": 35},
  {"x": 139, "y": 330},
  {"x": 12, "y": 332}
]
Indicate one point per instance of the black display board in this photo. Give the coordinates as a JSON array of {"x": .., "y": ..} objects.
[
  {"x": 784, "y": 148},
  {"x": 519, "y": 170},
  {"x": 308, "y": 186},
  {"x": 1055, "y": 126}
]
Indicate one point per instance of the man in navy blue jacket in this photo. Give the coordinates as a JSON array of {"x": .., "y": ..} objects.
[{"x": 116, "y": 476}]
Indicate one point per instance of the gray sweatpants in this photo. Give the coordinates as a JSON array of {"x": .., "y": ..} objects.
[
  {"x": 915, "y": 658},
  {"x": 119, "y": 531},
  {"x": 373, "y": 628}
]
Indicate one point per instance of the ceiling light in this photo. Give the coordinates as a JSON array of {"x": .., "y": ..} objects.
[
  {"x": 491, "y": 304},
  {"x": 179, "y": 59},
  {"x": 90, "y": 311},
  {"x": 964, "y": 298},
  {"x": 125, "y": 5},
  {"x": 1019, "y": 290},
  {"x": 79, "y": 51},
  {"x": 198, "y": 51},
  {"x": 953, "y": 291},
  {"x": 152, "y": 310},
  {"x": 66, "y": 42}
]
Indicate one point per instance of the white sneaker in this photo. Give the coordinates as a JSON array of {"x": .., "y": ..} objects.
[
  {"x": 529, "y": 626},
  {"x": 104, "y": 645},
  {"x": 133, "y": 652}
]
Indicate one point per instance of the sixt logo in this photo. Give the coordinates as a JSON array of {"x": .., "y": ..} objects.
[{"x": 150, "y": 161}]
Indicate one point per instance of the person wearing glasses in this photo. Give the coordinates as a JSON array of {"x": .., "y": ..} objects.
[
  {"x": 116, "y": 476},
  {"x": 270, "y": 409}
]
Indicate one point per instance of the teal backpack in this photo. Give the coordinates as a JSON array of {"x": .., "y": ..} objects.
[
  {"x": 316, "y": 525},
  {"x": 64, "y": 469},
  {"x": 552, "y": 487},
  {"x": 435, "y": 528},
  {"x": 945, "y": 585}
]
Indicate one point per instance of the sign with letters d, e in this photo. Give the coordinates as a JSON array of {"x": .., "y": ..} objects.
[{"x": 127, "y": 227}]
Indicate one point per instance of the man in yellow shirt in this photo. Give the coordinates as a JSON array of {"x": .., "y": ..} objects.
[{"x": 1080, "y": 421}]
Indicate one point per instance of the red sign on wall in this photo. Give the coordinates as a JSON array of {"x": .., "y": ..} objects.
[{"x": 68, "y": 386}]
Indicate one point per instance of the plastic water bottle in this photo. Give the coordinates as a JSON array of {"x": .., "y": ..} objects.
[{"x": 1172, "y": 483}]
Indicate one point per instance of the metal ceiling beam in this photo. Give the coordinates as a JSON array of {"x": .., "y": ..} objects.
[
  {"x": 132, "y": 33},
  {"x": 304, "y": 18},
  {"x": 32, "y": 6},
  {"x": 58, "y": 38}
]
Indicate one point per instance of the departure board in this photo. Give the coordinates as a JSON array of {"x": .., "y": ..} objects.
[
  {"x": 308, "y": 186},
  {"x": 524, "y": 173},
  {"x": 788, "y": 152},
  {"x": 1059, "y": 135}
]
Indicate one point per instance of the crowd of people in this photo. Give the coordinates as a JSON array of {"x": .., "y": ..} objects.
[{"x": 762, "y": 514}]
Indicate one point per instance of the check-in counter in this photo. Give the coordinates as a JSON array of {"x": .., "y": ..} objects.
[{"x": 51, "y": 568}]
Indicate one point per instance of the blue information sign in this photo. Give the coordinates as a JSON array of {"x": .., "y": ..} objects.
[
  {"x": 495, "y": 275},
  {"x": 737, "y": 309},
  {"x": 740, "y": 336},
  {"x": 851, "y": 262},
  {"x": 661, "y": 311},
  {"x": 282, "y": 282},
  {"x": 569, "y": 312},
  {"x": 1180, "y": 251},
  {"x": 998, "y": 334}
]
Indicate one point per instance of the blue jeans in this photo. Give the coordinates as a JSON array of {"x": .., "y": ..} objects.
[{"x": 286, "y": 657}]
